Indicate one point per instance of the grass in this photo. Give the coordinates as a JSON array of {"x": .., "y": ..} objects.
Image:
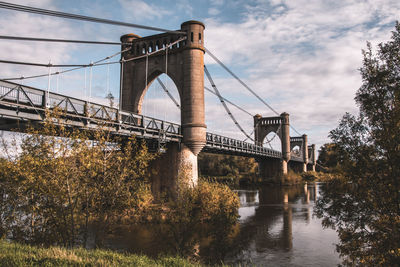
[{"x": 14, "y": 254}]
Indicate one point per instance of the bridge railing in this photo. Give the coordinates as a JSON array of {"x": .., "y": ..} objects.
[
  {"x": 18, "y": 102},
  {"x": 27, "y": 100},
  {"x": 215, "y": 141}
]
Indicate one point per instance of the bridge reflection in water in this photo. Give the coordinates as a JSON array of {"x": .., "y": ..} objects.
[{"x": 277, "y": 228}]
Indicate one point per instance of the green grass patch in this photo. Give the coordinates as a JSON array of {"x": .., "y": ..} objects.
[{"x": 14, "y": 254}]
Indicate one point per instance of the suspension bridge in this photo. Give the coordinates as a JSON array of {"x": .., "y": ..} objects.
[{"x": 180, "y": 55}]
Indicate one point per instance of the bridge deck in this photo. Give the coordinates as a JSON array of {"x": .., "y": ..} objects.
[{"x": 22, "y": 104}]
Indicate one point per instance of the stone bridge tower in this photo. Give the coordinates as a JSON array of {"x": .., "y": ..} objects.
[
  {"x": 184, "y": 64},
  {"x": 273, "y": 168},
  {"x": 301, "y": 142}
]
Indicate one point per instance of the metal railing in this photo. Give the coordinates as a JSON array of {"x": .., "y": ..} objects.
[
  {"x": 218, "y": 142},
  {"x": 18, "y": 102}
]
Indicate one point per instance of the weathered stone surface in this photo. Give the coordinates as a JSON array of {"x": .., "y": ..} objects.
[{"x": 184, "y": 64}]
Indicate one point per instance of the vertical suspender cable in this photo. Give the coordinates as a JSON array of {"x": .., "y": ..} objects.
[
  {"x": 57, "y": 82},
  {"x": 166, "y": 78},
  {"x": 48, "y": 88},
  {"x": 147, "y": 66},
  {"x": 90, "y": 84},
  {"x": 108, "y": 79},
  {"x": 120, "y": 83},
  {"x": 85, "y": 86}
]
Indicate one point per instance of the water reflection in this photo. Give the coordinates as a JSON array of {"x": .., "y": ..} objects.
[{"x": 277, "y": 228}]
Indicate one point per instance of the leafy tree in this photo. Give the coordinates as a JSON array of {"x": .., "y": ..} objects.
[
  {"x": 329, "y": 156},
  {"x": 63, "y": 180},
  {"x": 364, "y": 206}
]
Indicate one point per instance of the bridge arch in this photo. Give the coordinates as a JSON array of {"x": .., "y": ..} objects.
[
  {"x": 279, "y": 125},
  {"x": 151, "y": 78},
  {"x": 184, "y": 63},
  {"x": 161, "y": 100},
  {"x": 295, "y": 150},
  {"x": 273, "y": 140}
]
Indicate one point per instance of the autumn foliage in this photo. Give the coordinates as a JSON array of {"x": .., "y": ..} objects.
[{"x": 57, "y": 182}]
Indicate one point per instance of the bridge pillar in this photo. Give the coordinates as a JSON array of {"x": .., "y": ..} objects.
[
  {"x": 177, "y": 163},
  {"x": 285, "y": 140},
  {"x": 314, "y": 159},
  {"x": 184, "y": 64},
  {"x": 271, "y": 168},
  {"x": 305, "y": 152}
]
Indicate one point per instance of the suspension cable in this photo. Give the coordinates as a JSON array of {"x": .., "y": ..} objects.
[
  {"x": 239, "y": 80},
  {"x": 53, "y": 13},
  {"x": 224, "y": 104},
  {"x": 245, "y": 85},
  {"x": 36, "y": 39},
  {"x": 96, "y": 63},
  {"x": 40, "y": 65},
  {"x": 168, "y": 93},
  {"x": 226, "y": 100}
]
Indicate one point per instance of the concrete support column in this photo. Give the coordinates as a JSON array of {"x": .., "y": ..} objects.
[{"x": 285, "y": 140}]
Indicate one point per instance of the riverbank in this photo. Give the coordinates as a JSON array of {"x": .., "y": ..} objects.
[{"x": 14, "y": 254}]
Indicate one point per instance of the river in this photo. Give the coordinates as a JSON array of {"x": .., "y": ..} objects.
[{"x": 276, "y": 228}]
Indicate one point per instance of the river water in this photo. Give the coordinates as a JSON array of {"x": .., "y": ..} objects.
[{"x": 276, "y": 228}]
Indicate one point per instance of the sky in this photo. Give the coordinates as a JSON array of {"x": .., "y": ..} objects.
[{"x": 301, "y": 56}]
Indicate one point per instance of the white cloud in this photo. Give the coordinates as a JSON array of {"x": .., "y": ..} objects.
[
  {"x": 301, "y": 56},
  {"x": 305, "y": 59},
  {"x": 213, "y": 11},
  {"x": 23, "y": 24},
  {"x": 217, "y": 2},
  {"x": 139, "y": 10}
]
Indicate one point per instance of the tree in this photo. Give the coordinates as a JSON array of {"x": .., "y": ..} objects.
[
  {"x": 329, "y": 156},
  {"x": 364, "y": 206},
  {"x": 64, "y": 180}
]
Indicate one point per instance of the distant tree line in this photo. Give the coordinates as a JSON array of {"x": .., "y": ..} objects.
[{"x": 226, "y": 165}]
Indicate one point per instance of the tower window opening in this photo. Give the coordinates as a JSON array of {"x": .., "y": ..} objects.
[
  {"x": 199, "y": 37},
  {"x": 191, "y": 36}
]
